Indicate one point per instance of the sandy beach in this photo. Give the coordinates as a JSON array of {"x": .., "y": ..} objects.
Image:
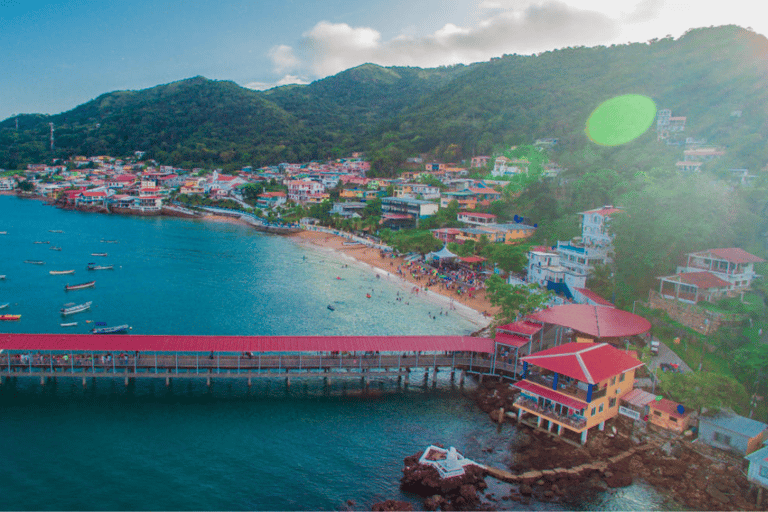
[{"x": 471, "y": 308}]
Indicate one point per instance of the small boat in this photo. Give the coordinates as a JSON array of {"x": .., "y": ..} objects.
[
  {"x": 93, "y": 266},
  {"x": 10, "y": 317},
  {"x": 76, "y": 309},
  {"x": 61, "y": 272},
  {"x": 3, "y": 232},
  {"x": 367, "y": 295},
  {"x": 109, "y": 241},
  {"x": 55, "y": 231},
  {"x": 89, "y": 284},
  {"x": 35, "y": 262},
  {"x": 2, "y": 277},
  {"x": 98, "y": 254},
  {"x": 45, "y": 242},
  {"x": 55, "y": 248},
  {"x": 3, "y": 306},
  {"x": 119, "y": 329},
  {"x": 69, "y": 324},
  {"x": 331, "y": 307}
]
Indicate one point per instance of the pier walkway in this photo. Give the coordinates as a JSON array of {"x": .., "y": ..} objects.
[{"x": 245, "y": 357}]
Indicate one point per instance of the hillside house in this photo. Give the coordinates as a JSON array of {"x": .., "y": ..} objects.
[
  {"x": 575, "y": 386},
  {"x": 666, "y": 124},
  {"x": 504, "y": 166},
  {"x": 477, "y": 219},
  {"x": 691, "y": 287},
  {"x": 669, "y": 415},
  {"x": 479, "y": 161},
  {"x": 595, "y": 245},
  {"x": 544, "y": 269},
  {"x": 300, "y": 191},
  {"x": 271, "y": 199},
  {"x": 732, "y": 264},
  {"x": 731, "y": 432}
]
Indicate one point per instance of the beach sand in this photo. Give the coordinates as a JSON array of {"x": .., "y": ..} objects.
[{"x": 470, "y": 308}]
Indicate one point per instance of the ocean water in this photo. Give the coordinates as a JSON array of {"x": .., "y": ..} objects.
[{"x": 228, "y": 447}]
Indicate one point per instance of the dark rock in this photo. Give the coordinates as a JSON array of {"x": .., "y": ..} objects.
[
  {"x": 622, "y": 479},
  {"x": 549, "y": 495},
  {"x": 434, "y": 502},
  {"x": 526, "y": 490},
  {"x": 392, "y": 506},
  {"x": 715, "y": 493}
]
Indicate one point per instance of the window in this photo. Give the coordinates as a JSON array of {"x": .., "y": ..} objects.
[
  {"x": 611, "y": 403},
  {"x": 621, "y": 377},
  {"x": 593, "y": 412},
  {"x": 613, "y": 380},
  {"x": 764, "y": 471},
  {"x": 673, "y": 419},
  {"x": 722, "y": 438},
  {"x": 657, "y": 413},
  {"x": 600, "y": 409}
]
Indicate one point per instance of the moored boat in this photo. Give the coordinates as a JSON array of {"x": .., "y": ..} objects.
[
  {"x": 35, "y": 262},
  {"x": 118, "y": 329},
  {"x": 98, "y": 254},
  {"x": 55, "y": 248},
  {"x": 89, "y": 284},
  {"x": 3, "y": 306},
  {"x": 93, "y": 266},
  {"x": 55, "y": 231},
  {"x": 43, "y": 242},
  {"x": 10, "y": 317},
  {"x": 69, "y": 324},
  {"x": 61, "y": 272},
  {"x": 76, "y": 309}
]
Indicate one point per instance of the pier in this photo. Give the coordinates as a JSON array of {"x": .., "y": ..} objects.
[{"x": 367, "y": 358}]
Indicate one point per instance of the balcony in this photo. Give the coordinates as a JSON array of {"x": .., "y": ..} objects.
[
  {"x": 574, "y": 422},
  {"x": 567, "y": 389}
]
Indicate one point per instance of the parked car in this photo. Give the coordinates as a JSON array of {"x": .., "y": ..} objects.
[
  {"x": 655, "y": 347},
  {"x": 667, "y": 367}
]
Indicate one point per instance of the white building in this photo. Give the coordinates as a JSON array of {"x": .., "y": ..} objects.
[{"x": 595, "y": 245}]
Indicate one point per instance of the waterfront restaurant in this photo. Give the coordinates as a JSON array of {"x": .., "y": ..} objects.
[{"x": 575, "y": 386}]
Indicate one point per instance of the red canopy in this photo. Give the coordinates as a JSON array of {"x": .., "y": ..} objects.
[
  {"x": 598, "y": 321},
  {"x": 587, "y": 362},
  {"x": 160, "y": 343},
  {"x": 551, "y": 394}
]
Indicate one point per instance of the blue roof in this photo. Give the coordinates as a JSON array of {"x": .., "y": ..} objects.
[
  {"x": 736, "y": 423},
  {"x": 757, "y": 456}
]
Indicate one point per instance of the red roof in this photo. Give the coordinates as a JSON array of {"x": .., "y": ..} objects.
[
  {"x": 522, "y": 327},
  {"x": 551, "y": 394},
  {"x": 513, "y": 340},
  {"x": 478, "y": 215},
  {"x": 94, "y": 194},
  {"x": 604, "y": 211},
  {"x": 669, "y": 407},
  {"x": 472, "y": 259},
  {"x": 152, "y": 343},
  {"x": 587, "y": 362},
  {"x": 702, "y": 280},
  {"x": 597, "y": 321},
  {"x": 734, "y": 255},
  {"x": 594, "y": 297},
  {"x": 397, "y": 216}
]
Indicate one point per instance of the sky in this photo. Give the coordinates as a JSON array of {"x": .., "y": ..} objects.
[{"x": 58, "y": 55}]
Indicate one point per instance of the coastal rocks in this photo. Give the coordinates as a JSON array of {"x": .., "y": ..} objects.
[
  {"x": 455, "y": 493},
  {"x": 392, "y": 506}
]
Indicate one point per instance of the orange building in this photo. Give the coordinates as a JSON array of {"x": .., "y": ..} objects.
[{"x": 575, "y": 386}]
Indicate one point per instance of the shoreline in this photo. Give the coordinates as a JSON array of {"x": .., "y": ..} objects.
[{"x": 470, "y": 309}]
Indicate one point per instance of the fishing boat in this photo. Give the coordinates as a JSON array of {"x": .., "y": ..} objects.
[
  {"x": 61, "y": 272},
  {"x": 89, "y": 284},
  {"x": 55, "y": 231},
  {"x": 109, "y": 241},
  {"x": 3, "y": 232},
  {"x": 3, "y": 306},
  {"x": 331, "y": 307},
  {"x": 35, "y": 262},
  {"x": 69, "y": 324},
  {"x": 93, "y": 266},
  {"x": 118, "y": 329},
  {"x": 2, "y": 277},
  {"x": 41, "y": 242},
  {"x": 72, "y": 309},
  {"x": 10, "y": 317},
  {"x": 55, "y": 248},
  {"x": 98, "y": 254}
]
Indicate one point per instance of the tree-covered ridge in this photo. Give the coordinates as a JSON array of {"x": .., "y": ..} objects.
[{"x": 452, "y": 113}]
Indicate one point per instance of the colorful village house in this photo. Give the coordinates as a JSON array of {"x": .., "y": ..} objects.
[
  {"x": 729, "y": 431},
  {"x": 575, "y": 386},
  {"x": 511, "y": 339},
  {"x": 757, "y": 473},
  {"x": 669, "y": 415}
]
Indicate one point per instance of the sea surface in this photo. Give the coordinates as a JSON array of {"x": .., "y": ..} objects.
[{"x": 228, "y": 447}]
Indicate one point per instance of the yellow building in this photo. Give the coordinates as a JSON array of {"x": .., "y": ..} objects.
[{"x": 575, "y": 386}]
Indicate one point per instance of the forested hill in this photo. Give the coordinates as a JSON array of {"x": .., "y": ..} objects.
[{"x": 454, "y": 112}]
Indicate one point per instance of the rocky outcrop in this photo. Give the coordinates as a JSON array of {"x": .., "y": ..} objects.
[
  {"x": 455, "y": 493},
  {"x": 392, "y": 506}
]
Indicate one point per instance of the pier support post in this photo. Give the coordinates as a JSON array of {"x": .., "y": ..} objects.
[
  {"x": 481, "y": 378},
  {"x": 249, "y": 382},
  {"x": 84, "y": 383},
  {"x": 462, "y": 375},
  {"x": 434, "y": 376},
  {"x": 559, "y": 430},
  {"x": 327, "y": 382},
  {"x": 453, "y": 375},
  {"x": 407, "y": 378},
  {"x": 42, "y": 380},
  {"x": 584, "y": 437},
  {"x": 126, "y": 381},
  {"x": 208, "y": 381},
  {"x": 426, "y": 376},
  {"x": 601, "y": 426},
  {"x": 167, "y": 381},
  {"x": 288, "y": 383}
]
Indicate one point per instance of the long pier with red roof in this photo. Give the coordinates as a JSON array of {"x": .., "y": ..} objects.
[{"x": 245, "y": 357}]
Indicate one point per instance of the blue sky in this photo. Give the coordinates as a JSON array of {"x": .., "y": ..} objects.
[{"x": 57, "y": 55}]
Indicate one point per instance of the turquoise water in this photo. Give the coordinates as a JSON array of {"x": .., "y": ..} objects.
[{"x": 228, "y": 447}]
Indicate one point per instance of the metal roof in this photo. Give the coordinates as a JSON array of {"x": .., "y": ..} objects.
[
  {"x": 587, "y": 362},
  {"x": 735, "y": 423},
  {"x": 175, "y": 343},
  {"x": 598, "y": 321},
  {"x": 551, "y": 394}
]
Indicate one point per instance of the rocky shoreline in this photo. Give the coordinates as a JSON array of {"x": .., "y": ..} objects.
[{"x": 545, "y": 469}]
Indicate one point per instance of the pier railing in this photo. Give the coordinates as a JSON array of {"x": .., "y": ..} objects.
[{"x": 164, "y": 364}]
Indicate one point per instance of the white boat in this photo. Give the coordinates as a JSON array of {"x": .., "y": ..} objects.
[
  {"x": 61, "y": 272},
  {"x": 69, "y": 324},
  {"x": 76, "y": 309},
  {"x": 3, "y": 306}
]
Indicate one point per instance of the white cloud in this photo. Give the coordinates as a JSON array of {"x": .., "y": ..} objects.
[{"x": 283, "y": 57}]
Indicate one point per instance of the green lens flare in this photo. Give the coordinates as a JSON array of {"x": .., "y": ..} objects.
[{"x": 621, "y": 119}]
